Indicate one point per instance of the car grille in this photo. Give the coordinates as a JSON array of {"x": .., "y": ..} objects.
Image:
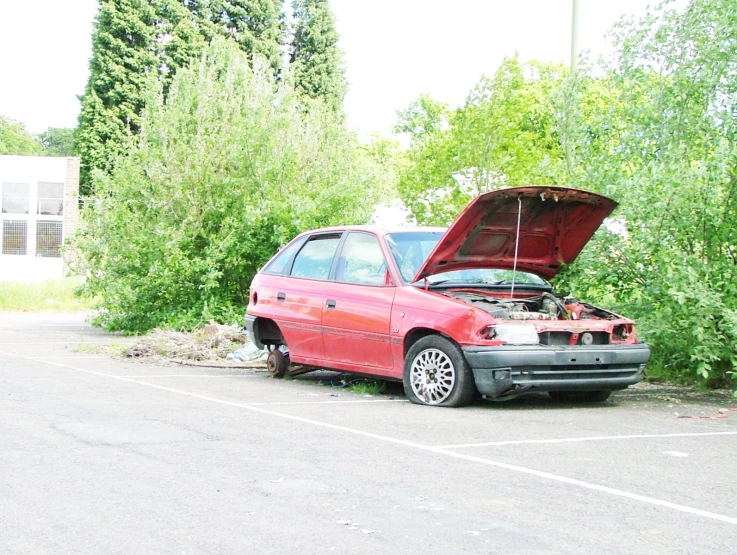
[
  {"x": 581, "y": 372},
  {"x": 564, "y": 338}
]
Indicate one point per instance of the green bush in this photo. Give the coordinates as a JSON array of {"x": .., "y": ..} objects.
[
  {"x": 226, "y": 170},
  {"x": 655, "y": 129},
  {"x": 658, "y": 133}
]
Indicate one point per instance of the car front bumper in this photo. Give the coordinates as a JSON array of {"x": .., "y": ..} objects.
[{"x": 511, "y": 369}]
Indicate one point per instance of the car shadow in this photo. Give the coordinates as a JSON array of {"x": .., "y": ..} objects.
[{"x": 394, "y": 389}]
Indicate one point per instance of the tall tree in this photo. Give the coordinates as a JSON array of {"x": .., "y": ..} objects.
[
  {"x": 135, "y": 40},
  {"x": 181, "y": 37},
  {"x": 122, "y": 59},
  {"x": 14, "y": 139},
  {"x": 504, "y": 135},
  {"x": 316, "y": 60},
  {"x": 255, "y": 25}
]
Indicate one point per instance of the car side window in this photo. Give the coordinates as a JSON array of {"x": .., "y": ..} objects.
[
  {"x": 280, "y": 264},
  {"x": 361, "y": 261},
  {"x": 316, "y": 257}
]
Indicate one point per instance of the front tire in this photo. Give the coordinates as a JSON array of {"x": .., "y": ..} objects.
[{"x": 436, "y": 373}]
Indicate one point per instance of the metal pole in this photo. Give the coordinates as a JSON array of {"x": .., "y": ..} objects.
[{"x": 574, "y": 38}]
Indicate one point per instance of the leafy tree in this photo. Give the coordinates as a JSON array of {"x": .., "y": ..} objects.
[
  {"x": 424, "y": 117},
  {"x": 58, "y": 141},
  {"x": 226, "y": 170},
  {"x": 122, "y": 58},
  {"x": 14, "y": 139},
  {"x": 666, "y": 147},
  {"x": 505, "y": 134},
  {"x": 317, "y": 61},
  {"x": 654, "y": 128}
]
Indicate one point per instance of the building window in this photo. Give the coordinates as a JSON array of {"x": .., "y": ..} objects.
[
  {"x": 15, "y": 236},
  {"x": 51, "y": 199},
  {"x": 16, "y": 198},
  {"x": 48, "y": 239}
]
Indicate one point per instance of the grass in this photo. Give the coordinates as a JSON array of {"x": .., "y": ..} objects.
[
  {"x": 57, "y": 295},
  {"x": 366, "y": 387},
  {"x": 109, "y": 349}
]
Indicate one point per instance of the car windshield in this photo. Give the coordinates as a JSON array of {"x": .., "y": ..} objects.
[{"x": 410, "y": 249}]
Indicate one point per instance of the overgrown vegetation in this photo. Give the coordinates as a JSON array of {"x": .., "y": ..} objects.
[
  {"x": 232, "y": 161},
  {"x": 654, "y": 128},
  {"x": 135, "y": 39},
  {"x": 671, "y": 160},
  {"x": 227, "y": 170}
]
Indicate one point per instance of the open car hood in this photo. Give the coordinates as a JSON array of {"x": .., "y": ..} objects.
[{"x": 555, "y": 224}]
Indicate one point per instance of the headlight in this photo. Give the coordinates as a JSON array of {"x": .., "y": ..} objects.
[{"x": 513, "y": 334}]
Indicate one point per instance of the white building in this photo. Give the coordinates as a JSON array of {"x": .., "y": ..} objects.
[{"x": 39, "y": 212}]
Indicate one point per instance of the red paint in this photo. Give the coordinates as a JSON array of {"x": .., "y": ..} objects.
[{"x": 555, "y": 224}]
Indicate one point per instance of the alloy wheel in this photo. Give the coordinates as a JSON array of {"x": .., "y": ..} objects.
[{"x": 432, "y": 376}]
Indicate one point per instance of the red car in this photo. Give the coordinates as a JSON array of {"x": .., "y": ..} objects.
[{"x": 450, "y": 312}]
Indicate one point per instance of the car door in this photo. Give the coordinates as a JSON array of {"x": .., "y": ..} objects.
[
  {"x": 300, "y": 297},
  {"x": 358, "y": 303}
]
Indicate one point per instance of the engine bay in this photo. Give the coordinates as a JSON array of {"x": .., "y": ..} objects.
[{"x": 546, "y": 306}]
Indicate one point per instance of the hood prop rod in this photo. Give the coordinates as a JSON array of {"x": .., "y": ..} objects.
[{"x": 516, "y": 245}]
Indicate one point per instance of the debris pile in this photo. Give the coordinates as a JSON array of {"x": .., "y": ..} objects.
[
  {"x": 211, "y": 342},
  {"x": 247, "y": 353}
]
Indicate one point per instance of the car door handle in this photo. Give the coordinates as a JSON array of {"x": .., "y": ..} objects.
[
  {"x": 281, "y": 297},
  {"x": 330, "y": 304}
]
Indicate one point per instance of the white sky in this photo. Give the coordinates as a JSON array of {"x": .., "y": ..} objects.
[{"x": 394, "y": 50}]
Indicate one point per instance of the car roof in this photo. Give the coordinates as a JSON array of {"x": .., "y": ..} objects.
[{"x": 379, "y": 230}]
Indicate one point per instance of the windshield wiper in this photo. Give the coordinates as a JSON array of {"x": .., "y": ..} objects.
[
  {"x": 434, "y": 283},
  {"x": 523, "y": 285}
]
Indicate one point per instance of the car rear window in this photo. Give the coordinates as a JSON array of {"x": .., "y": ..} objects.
[
  {"x": 315, "y": 259},
  {"x": 280, "y": 264}
]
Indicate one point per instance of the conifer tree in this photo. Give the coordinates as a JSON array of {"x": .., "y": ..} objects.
[
  {"x": 134, "y": 40},
  {"x": 316, "y": 60},
  {"x": 256, "y": 25},
  {"x": 122, "y": 59},
  {"x": 181, "y": 37}
]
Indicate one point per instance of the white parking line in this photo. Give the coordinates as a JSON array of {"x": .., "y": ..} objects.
[
  {"x": 191, "y": 376},
  {"x": 346, "y": 402},
  {"x": 71, "y": 341},
  {"x": 27, "y": 325},
  {"x": 420, "y": 447},
  {"x": 81, "y": 357},
  {"x": 579, "y": 439}
]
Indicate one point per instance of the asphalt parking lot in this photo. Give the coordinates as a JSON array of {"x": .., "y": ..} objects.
[{"x": 100, "y": 455}]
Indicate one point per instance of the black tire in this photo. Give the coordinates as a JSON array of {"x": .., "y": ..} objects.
[
  {"x": 596, "y": 396},
  {"x": 442, "y": 377},
  {"x": 277, "y": 364}
]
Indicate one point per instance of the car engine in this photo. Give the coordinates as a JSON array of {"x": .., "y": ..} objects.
[{"x": 546, "y": 306}]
